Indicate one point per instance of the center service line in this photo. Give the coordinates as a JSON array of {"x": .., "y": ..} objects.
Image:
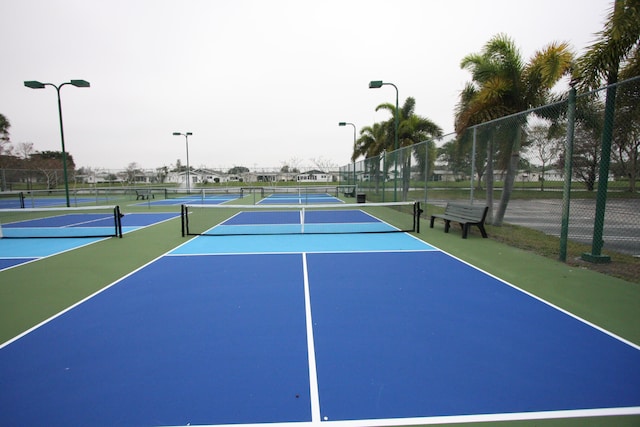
[{"x": 313, "y": 375}]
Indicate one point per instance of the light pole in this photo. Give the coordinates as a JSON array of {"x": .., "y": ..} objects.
[
  {"x": 354, "y": 151},
  {"x": 34, "y": 84},
  {"x": 186, "y": 138},
  {"x": 376, "y": 84}
]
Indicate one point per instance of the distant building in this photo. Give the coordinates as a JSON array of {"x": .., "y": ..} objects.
[
  {"x": 314, "y": 176},
  {"x": 200, "y": 176},
  {"x": 104, "y": 177},
  {"x": 445, "y": 175}
]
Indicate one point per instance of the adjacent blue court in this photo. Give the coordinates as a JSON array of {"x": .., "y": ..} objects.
[
  {"x": 63, "y": 232},
  {"x": 208, "y": 199},
  {"x": 300, "y": 199},
  {"x": 47, "y": 201},
  {"x": 313, "y": 329},
  {"x": 219, "y": 198}
]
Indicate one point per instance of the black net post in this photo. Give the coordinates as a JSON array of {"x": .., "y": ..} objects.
[{"x": 118, "y": 218}]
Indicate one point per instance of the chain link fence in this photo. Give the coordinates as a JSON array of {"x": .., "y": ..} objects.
[{"x": 543, "y": 169}]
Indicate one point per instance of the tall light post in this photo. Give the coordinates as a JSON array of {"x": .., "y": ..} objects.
[
  {"x": 376, "y": 84},
  {"x": 186, "y": 138},
  {"x": 34, "y": 84},
  {"x": 354, "y": 151}
]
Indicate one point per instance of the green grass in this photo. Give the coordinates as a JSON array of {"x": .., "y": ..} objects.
[{"x": 622, "y": 266}]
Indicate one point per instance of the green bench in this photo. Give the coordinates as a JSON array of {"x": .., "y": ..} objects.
[{"x": 465, "y": 215}]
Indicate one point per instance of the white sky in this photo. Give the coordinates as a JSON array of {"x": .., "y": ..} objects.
[{"x": 260, "y": 83}]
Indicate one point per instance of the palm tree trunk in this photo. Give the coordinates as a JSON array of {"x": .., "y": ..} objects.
[
  {"x": 406, "y": 173},
  {"x": 489, "y": 177},
  {"x": 510, "y": 178},
  {"x": 633, "y": 172},
  {"x": 374, "y": 175}
]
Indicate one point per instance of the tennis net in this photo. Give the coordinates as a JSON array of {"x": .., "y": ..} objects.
[
  {"x": 201, "y": 193},
  {"x": 11, "y": 199},
  {"x": 221, "y": 220},
  {"x": 94, "y": 221},
  {"x": 302, "y": 191}
]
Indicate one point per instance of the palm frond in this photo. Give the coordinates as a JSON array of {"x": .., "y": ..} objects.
[{"x": 619, "y": 38}]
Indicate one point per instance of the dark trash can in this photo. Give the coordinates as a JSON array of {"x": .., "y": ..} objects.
[{"x": 361, "y": 198}]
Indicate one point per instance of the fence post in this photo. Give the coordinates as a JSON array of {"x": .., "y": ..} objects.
[
  {"x": 473, "y": 162},
  {"x": 384, "y": 171},
  {"x": 568, "y": 172},
  {"x": 603, "y": 178},
  {"x": 426, "y": 170}
]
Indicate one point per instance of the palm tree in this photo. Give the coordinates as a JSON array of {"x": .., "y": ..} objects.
[
  {"x": 4, "y": 132},
  {"x": 467, "y": 115},
  {"x": 617, "y": 44},
  {"x": 626, "y": 138},
  {"x": 371, "y": 143},
  {"x": 503, "y": 84},
  {"x": 412, "y": 129}
]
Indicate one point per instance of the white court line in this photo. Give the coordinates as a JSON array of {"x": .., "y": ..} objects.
[
  {"x": 454, "y": 419},
  {"x": 313, "y": 375}
]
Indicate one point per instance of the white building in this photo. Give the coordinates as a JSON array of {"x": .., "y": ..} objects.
[{"x": 314, "y": 176}]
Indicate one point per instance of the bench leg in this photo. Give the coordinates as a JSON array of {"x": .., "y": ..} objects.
[
  {"x": 483, "y": 231},
  {"x": 447, "y": 225},
  {"x": 432, "y": 219},
  {"x": 465, "y": 231}
]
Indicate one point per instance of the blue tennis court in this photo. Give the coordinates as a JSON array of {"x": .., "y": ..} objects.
[
  {"x": 293, "y": 222},
  {"x": 336, "y": 329},
  {"x": 61, "y": 232},
  {"x": 208, "y": 199},
  {"x": 299, "y": 199},
  {"x": 46, "y": 202},
  {"x": 12, "y": 201}
]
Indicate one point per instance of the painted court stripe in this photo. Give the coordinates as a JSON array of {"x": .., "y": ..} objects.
[
  {"x": 456, "y": 419},
  {"x": 313, "y": 375}
]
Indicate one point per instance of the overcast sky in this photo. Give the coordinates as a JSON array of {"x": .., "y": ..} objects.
[{"x": 259, "y": 83}]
